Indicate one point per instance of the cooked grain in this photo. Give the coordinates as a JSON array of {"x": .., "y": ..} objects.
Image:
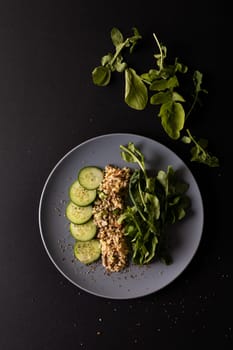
[{"x": 106, "y": 212}]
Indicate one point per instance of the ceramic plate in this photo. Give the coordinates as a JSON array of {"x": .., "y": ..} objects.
[{"x": 134, "y": 281}]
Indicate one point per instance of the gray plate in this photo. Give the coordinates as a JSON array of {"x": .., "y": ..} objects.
[{"x": 135, "y": 281}]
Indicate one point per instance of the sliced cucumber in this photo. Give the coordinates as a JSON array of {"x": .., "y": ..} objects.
[
  {"x": 83, "y": 232},
  {"x": 77, "y": 214},
  {"x": 87, "y": 252},
  {"x": 90, "y": 177},
  {"x": 80, "y": 195}
]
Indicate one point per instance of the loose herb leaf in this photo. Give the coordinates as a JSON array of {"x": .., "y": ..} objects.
[
  {"x": 134, "y": 39},
  {"x": 161, "y": 98},
  {"x": 197, "y": 81},
  {"x": 172, "y": 117},
  {"x": 111, "y": 62},
  {"x": 200, "y": 154},
  {"x": 101, "y": 76},
  {"x": 163, "y": 84},
  {"x": 136, "y": 95},
  {"x": 117, "y": 37},
  {"x": 120, "y": 65}
]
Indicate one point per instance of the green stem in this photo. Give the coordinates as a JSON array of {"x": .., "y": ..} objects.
[
  {"x": 192, "y": 106},
  {"x": 136, "y": 159},
  {"x": 194, "y": 141},
  {"x": 160, "y": 50},
  {"x": 135, "y": 204},
  {"x": 121, "y": 47},
  {"x": 118, "y": 51}
]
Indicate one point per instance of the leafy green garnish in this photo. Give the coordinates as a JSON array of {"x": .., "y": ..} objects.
[
  {"x": 110, "y": 62},
  {"x": 199, "y": 151},
  {"x": 163, "y": 81},
  {"x": 172, "y": 115},
  {"x": 136, "y": 94},
  {"x": 158, "y": 86},
  {"x": 155, "y": 203},
  {"x": 133, "y": 155},
  {"x": 197, "y": 82}
]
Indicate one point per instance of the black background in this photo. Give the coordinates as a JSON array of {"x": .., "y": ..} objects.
[{"x": 48, "y": 105}]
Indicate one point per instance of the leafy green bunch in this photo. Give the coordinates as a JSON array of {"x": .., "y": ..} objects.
[
  {"x": 163, "y": 81},
  {"x": 159, "y": 86},
  {"x": 155, "y": 203},
  {"x": 136, "y": 95}
]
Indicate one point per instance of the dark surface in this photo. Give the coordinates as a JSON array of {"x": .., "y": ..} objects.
[{"x": 48, "y": 105}]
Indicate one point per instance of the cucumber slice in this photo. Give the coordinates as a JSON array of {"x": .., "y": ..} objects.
[
  {"x": 87, "y": 252},
  {"x": 90, "y": 177},
  {"x": 83, "y": 232},
  {"x": 77, "y": 214},
  {"x": 80, "y": 195}
]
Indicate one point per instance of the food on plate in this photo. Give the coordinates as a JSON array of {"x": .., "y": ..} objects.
[
  {"x": 78, "y": 214},
  {"x": 87, "y": 251},
  {"x": 83, "y": 232},
  {"x": 121, "y": 215},
  {"x": 107, "y": 210}
]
